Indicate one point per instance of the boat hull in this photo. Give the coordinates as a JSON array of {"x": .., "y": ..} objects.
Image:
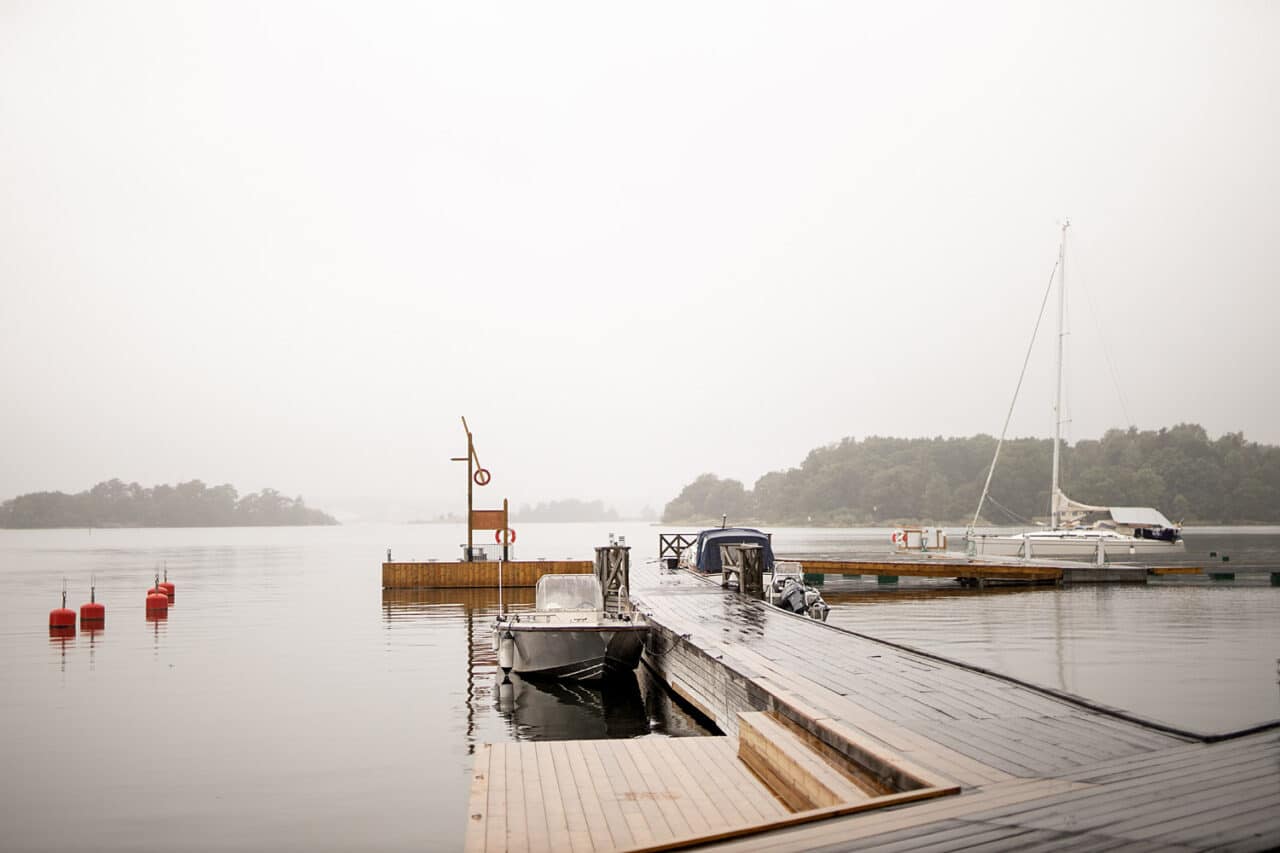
[
  {"x": 1075, "y": 547},
  {"x": 587, "y": 653}
]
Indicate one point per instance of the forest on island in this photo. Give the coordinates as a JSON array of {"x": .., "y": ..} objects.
[
  {"x": 1180, "y": 471},
  {"x": 570, "y": 509},
  {"x": 191, "y": 504}
]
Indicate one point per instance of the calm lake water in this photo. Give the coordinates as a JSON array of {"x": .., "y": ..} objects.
[{"x": 287, "y": 703}]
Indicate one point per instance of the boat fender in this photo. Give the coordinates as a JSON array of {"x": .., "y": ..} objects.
[{"x": 507, "y": 651}]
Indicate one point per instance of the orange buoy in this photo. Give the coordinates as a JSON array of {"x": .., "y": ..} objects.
[
  {"x": 62, "y": 621},
  {"x": 167, "y": 587},
  {"x": 157, "y": 601},
  {"x": 92, "y": 613}
]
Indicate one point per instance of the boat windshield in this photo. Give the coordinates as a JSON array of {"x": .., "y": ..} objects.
[{"x": 569, "y": 592}]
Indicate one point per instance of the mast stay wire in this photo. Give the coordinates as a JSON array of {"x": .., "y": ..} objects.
[
  {"x": 986, "y": 488},
  {"x": 1102, "y": 337},
  {"x": 1015, "y": 517}
]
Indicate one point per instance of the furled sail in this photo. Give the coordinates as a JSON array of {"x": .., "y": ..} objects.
[{"x": 1071, "y": 512}]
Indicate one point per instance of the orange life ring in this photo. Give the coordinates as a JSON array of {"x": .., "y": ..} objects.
[
  {"x": 498, "y": 536},
  {"x": 482, "y": 476}
]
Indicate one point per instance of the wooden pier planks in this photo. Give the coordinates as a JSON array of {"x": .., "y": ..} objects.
[
  {"x": 478, "y": 574},
  {"x": 871, "y": 685},
  {"x": 934, "y": 567},
  {"x": 1040, "y": 773},
  {"x": 610, "y": 794}
]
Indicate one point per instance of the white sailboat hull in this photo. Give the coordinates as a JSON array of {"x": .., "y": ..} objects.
[{"x": 1074, "y": 545}]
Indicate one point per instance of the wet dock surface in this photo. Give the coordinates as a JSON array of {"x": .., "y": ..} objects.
[{"x": 1035, "y": 769}]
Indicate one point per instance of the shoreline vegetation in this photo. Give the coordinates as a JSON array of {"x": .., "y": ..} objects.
[
  {"x": 192, "y": 504},
  {"x": 568, "y": 510},
  {"x": 880, "y": 481}
]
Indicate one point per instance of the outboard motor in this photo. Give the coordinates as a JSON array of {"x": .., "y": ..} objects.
[
  {"x": 788, "y": 591},
  {"x": 793, "y": 597}
]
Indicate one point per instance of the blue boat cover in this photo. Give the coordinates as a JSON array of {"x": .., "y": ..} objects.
[{"x": 709, "y": 541}]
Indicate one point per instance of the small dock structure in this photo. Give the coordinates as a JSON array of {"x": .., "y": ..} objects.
[
  {"x": 834, "y": 740},
  {"x": 476, "y": 569},
  {"x": 942, "y": 564},
  {"x": 464, "y": 574}
]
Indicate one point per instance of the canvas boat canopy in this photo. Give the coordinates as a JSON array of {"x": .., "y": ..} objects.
[
  {"x": 706, "y": 556},
  {"x": 1139, "y": 516},
  {"x": 1075, "y": 513}
]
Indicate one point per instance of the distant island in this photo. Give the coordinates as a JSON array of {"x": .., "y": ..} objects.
[
  {"x": 566, "y": 510},
  {"x": 880, "y": 481},
  {"x": 192, "y": 504}
]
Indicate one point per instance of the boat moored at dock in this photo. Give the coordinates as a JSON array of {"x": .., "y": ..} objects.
[{"x": 570, "y": 635}]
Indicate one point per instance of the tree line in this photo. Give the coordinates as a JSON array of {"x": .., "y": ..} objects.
[
  {"x": 570, "y": 509},
  {"x": 192, "y": 504},
  {"x": 1179, "y": 470}
]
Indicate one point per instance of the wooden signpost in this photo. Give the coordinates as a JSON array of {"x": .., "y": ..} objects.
[{"x": 482, "y": 519}]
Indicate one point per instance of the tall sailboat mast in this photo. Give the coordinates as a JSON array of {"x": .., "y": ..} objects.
[{"x": 1057, "y": 400}]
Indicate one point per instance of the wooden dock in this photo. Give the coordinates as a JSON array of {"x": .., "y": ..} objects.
[
  {"x": 982, "y": 570},
  {"x": 477, "y": 574},
  {"x": 835, "y": 740}
]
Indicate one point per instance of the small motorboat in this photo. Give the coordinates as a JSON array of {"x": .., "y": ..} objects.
[
  {"x": 570, "y": 635},
  {"x": 712, "y": 550},
  {"x": 788, "y": 591}
]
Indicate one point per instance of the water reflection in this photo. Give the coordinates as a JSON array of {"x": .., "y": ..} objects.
[
  {"x": 1198, "y": 656},
  {"x": 632, "y": 706},
  {"x": 560, "y": 710}
]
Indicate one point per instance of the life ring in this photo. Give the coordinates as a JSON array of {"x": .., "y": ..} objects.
[
  {"x": 511, "y": 537},
  {"x": 482, "y": 476}
]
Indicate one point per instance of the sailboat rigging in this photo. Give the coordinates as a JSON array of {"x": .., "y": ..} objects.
[{"x": 1075, "y": 529}]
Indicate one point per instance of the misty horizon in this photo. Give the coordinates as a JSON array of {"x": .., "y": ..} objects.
[{"x": 287, "y": 247}]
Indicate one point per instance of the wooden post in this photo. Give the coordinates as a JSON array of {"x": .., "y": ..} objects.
[
  {"x": 747, "y": 562},
  {"x": 613, "y": 571},
  {"x": 471, "y": 455}
]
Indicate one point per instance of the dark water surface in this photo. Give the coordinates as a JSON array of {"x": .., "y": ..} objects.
[{"x": 287, "y": 703}]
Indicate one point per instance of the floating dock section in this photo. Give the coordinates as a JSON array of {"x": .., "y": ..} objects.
[
  {"x": 837, "y": 727},
  {"x": 477, "y": 574},
  {"x": 982, "y": 570}
]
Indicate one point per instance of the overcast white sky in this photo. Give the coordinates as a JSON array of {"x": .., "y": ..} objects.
[{"x": 288, "y": 245}]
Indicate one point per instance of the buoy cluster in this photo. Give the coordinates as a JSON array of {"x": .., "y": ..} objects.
[
  {"x": 159, "y": 597},
  {"x": 93, "y": 614}
]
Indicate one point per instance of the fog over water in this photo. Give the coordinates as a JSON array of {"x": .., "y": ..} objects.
[{"x": 288, "y": 245}]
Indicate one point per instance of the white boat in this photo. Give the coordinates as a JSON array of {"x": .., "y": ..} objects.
[
  {"x": 569, "y": 635},
  {"x": 1076, "y": 530}
]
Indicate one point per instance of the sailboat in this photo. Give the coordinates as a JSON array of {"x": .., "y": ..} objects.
[{"x": 1078, "y": 530}]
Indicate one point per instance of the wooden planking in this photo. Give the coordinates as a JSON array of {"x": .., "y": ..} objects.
[
  {"x": 934, "y": 568},
  {"x": 843, "y": 830},
  {"x": 478, "y": 574},
  {"x": 611, "y": 795},
  {"x": 856, "y": 677},
  {"x": 1175, "y": 570},
  {"x": 478, "y": 811},
  {"x": 979, "y": 729},
  {"x": 796, "y": 773}
]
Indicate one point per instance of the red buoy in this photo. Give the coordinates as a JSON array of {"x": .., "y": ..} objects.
[
  {"x": 62, "y": 621},
  {"x": 157, "y": 601},
  {"x": 167, "y": 587},
  {"x": 92, "y": 614}
]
